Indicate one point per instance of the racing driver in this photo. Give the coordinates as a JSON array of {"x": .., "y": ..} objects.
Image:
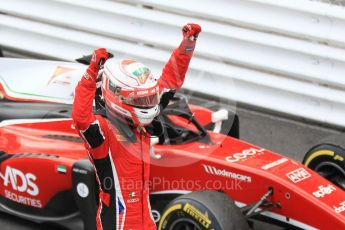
[{"x": 116, "y": 138}]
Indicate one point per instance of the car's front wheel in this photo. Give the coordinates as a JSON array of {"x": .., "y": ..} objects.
[
  {"x": 329, "y": 161},
  {"x": 203, "y": 210}
]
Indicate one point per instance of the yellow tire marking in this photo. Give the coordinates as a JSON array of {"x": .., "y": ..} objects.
[
  {"x": 170, "y": 210},
  {"x": 338, "y": 158},
  {"x": 317, "y": 154}
]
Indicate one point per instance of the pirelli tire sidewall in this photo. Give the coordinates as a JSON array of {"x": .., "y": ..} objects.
[
  {"x": 185, "y": 208},
  {"x": 322, "y": 153},
  {"x": 209, "y": 210}
]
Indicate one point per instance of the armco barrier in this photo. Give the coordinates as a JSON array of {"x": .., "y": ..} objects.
[{"x": 285, "y": 56}]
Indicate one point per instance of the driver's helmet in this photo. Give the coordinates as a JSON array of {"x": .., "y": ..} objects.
[{"x": 130, "y": 92}]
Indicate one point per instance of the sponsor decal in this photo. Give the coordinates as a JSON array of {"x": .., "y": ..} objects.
[
  {"x": 142, "y": 92},
  {"x": 136, "y": 69},
  {"x": 298, "y": 175},
  {"x": 20, "y": 182},
  {"x": 132, "y": 194},
  {"x": 22, "y": 199},
  {"x": 338, "y": 158},
  {"x": 142, "y": 73},
  {"x": 197, "y": 215},
  {"x": 222, "y": 172},
  {"x": 244, "y": 154},
  {"x": 62, "y": 169},
  {"x": 340, "y": 208},
  {"x": 154, "y": 90},
  {"x": 274, "y": 164},
  {"x": 81, "y": 171},
  {"x": 120, "y": 138},
  {"x": 121, "y": 110},
  {"x": 133, "y": 200},
  {"x": 82, "y": 190},
  {"x": 156, "y": 216},
  {"x": 87, "y": 76},
  {"x": 324, "y": 190},
  {"x": 60, "y": 76}
]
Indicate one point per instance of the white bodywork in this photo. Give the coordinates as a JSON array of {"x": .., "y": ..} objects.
[{"x": 38, "y": 80}]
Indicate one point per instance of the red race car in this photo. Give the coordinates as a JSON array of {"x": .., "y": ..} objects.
[{"x": 200, "y": 178}]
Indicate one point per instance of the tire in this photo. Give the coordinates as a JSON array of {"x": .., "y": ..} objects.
[
  {"x": 329, "y": 161},
  {"x": 203, "y": 210}
]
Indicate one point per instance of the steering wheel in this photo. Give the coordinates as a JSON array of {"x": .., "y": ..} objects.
[
  {"x": 168, "y": 133},
  {"x": 158, "y": 129}
]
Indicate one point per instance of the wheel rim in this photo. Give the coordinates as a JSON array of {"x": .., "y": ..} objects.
[
  {"x": 184, "y": 224},
  {"x": 332, "y": 172}
]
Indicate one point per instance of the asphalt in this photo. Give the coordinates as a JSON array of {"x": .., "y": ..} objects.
[
  {"x": 285, "y": 136},
  {"x": 8, "y": 222}
]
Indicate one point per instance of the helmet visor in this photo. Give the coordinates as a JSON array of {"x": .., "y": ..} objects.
[{"x": 142, "y": 102}]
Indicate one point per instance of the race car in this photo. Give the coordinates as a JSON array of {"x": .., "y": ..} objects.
[{"x": 201, "y": 176}]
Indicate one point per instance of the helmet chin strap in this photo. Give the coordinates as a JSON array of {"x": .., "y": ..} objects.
[
  {"x": 146, "y": 116},
  {"x": 145, "y": 124}
]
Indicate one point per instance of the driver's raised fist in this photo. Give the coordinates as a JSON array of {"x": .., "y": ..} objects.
[
  {"x": 99, "y": 56},
  {"x": 190, "y": 35},
  {"x": 191, "y": 31}
]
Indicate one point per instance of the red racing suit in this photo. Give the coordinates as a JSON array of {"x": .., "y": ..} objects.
[{"x": 122, "y": 166}]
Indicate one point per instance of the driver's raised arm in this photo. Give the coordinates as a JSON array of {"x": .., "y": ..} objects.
[
  {"x": 175, "y": 70},
  {"x": 86, "y": 123}
]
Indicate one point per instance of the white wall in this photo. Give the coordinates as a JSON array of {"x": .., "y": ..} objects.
[{"x": 285, "y": 56}]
